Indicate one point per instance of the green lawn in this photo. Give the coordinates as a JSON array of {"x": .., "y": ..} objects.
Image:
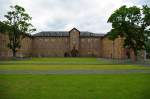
[
  {"x": 72, "y": 67},
  {"x": 57, "y": 61},
  {"x": 91, "y": 86},
  {"x": 65, "y": 64},
  {"x": 124, "y": 86}
]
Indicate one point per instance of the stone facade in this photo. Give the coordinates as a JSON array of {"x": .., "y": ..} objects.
[
  {"x": 24, "y": 51},
  {"x": 4, "y": 51},
  {"x": 48, "y": 44},
  {"x": 90, "y": 46},
  {"x": 74, "y": 36},
  {"x": 113, "y": 49}
]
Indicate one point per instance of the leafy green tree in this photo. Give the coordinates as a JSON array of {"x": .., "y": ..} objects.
[
  {"x": 112, "y": 37},
  {"x": 3, "y": 27},
  {"x": 148, "y": 46},
  {"x": 132, "y": 24},
  {"x": 19, "y": 26}
]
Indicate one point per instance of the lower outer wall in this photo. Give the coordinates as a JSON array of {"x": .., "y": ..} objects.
[
  {"x": 24, "y": 51},
  {"x": 113, "y": 49},
  {"x": 90, "y": 47},
  {"x": 57, "y": 46},
  {"x": 50, "y": 46}
]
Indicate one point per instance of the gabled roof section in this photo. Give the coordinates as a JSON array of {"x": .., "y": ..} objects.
[
  {"x": 51, "y": 34},
  {"x": 74, "y": 29},
  {"x": 66, "y": 34},
  {"x": 90, "y": 34}
]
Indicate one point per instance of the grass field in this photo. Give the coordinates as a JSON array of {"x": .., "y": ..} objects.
[
  {"x": 89, "y": 86},
  {"x": 125, "y": 86},
  {"x": 57, "y": 61},
  {"x": 72, "y": 67},
  {"x": 66, "y": 64}
]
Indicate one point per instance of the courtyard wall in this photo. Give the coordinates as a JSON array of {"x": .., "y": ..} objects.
[
  {"x": 99, "y": 46},
  {"x": 24, "y": 51},
  {"x": 113, "y": 49},
  {"x": 90, "y": 46},
  {"x": 50, "y": 46}
]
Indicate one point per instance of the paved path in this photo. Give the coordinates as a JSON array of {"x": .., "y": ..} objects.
[{"x": 74, "y": 72}]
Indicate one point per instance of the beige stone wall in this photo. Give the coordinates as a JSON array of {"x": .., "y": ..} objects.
[
  {"x": 50, "y": 46},
  {"x": 90, "y": 46},
  {"x": 4, "y": 50},
  {"x": 113, "y": 49},
  {"x": 57, "y": 46},
  {"x": 74, "y": 39},
  {"x": 24, "y": 51},
  {"x": 26, "y": 47}
]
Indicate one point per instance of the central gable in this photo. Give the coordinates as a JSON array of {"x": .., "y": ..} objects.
[
  {"x": 67, "y": 33},
  {"x": 74, "y": 30},
  {"x": 74, "y": 35}
]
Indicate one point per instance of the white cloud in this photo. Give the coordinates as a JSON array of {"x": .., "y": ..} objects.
[{"x": 86, "y": 15}]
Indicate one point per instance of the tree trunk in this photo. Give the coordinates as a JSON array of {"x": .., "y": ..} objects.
[
  {"x": 145, "y": 55},
  {"x": 133, "y": 55},
  {"x": 14, "y": 53}
]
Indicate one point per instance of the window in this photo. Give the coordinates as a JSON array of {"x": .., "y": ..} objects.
[
  {"x": 46, "y": 40},
  {"x": 89, "y": 40},
  {"x": 82, "y": 40},
  {"x": 52, "y": 40}
]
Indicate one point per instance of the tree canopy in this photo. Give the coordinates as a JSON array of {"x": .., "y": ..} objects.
[
  {"x": 148, "y": 46},
  {"x": 132, "y": 24},
  {"x": 3, "y": 27},
  {"x": 17, "y": 25}
]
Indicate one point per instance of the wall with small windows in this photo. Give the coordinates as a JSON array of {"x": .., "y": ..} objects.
[
  {"x": 4, "y": 50},
  {"x": 74, "y": 36},
  {"x": 90, "y": 46},
  {"x": 26, "y": 48},
  {"x": 113, "y": 49},
  {"x": 50, "y": 46},
  {"x": 24, "y": 51}
]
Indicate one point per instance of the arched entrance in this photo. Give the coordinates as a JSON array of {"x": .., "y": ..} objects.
[{"x": 74, "y": 52}]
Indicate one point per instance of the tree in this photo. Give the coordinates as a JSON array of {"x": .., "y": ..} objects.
[
  {"x": 3, "y": 27},
  {"x": 132, "y": 24},
  {"x": 112, "y": 36},
  {"x": 18, "y": 22},
  {"x": 148, "y": 47}
]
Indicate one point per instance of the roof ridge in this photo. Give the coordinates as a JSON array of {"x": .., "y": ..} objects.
[
  {"x": 54, "y": 31},
  {"x": 66, "y": 33}
]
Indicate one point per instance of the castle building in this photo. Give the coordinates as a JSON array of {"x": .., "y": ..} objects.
[{"x": 65, "y": 44}]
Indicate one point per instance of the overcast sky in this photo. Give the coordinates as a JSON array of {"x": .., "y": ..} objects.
[{"x": 63, "y": 15}]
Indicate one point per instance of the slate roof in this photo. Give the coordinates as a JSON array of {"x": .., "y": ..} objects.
[
  {"x": 65, "y": 34},
  {"x": 51, "y": 33}
]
